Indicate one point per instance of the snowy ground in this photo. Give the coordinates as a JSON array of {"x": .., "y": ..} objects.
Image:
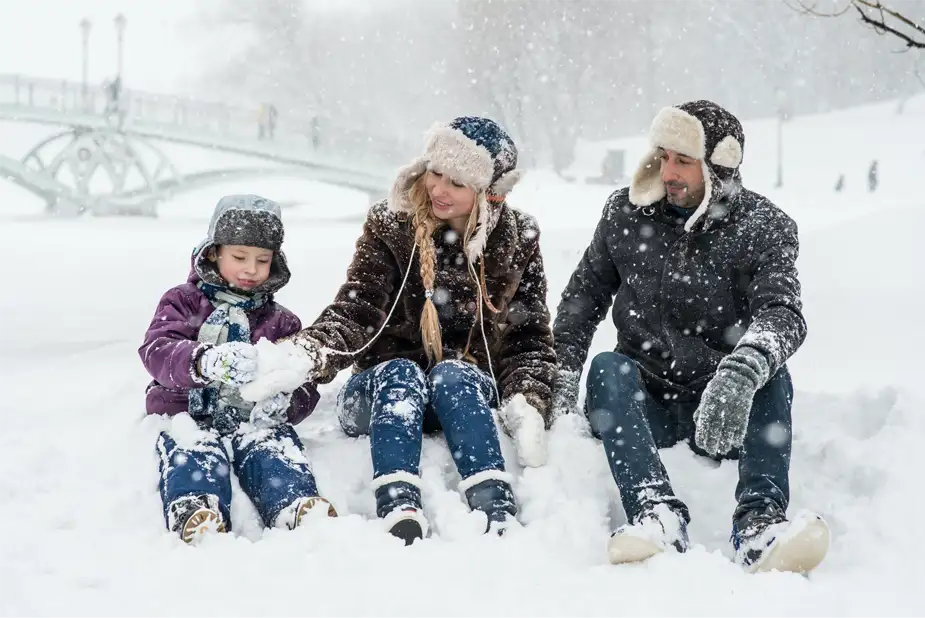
[{"x": 78, "y": 496}]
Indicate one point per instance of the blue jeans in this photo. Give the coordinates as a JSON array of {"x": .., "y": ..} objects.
[
  {"x": 269, "y": 465},
  {"x": 634, "y": 423},
  {"x": 395, "y": 403}
]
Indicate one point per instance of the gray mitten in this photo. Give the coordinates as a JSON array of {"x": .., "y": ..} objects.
[{"x": 722, "y": 416}]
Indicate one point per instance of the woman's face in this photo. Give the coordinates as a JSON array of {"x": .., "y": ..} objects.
[{"x": 450, "y": 199}]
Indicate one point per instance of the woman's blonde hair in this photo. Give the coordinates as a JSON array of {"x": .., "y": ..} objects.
[{"x": 425, "y": 224}]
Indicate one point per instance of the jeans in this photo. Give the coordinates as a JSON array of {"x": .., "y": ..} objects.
[{"x": 633, "y": 424}]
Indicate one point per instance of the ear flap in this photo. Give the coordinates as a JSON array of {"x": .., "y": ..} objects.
[
  {"x": 709, "y": 179},
  {"x": 647, "y": 187},
  {"x": 204, "y": 265},
  {"x": 506, "y": 182},
  {"x": 728, "y": 153},
  {"x": 398, "y": 201},
  {"x": 478, "y": 241}
]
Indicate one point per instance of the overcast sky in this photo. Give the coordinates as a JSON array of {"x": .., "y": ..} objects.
[
  {"x": 162, "y": 49},
  {"x": 168, "y": 44}
]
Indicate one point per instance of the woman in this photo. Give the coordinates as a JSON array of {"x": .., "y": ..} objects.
[{"x": 444, "y": 316}]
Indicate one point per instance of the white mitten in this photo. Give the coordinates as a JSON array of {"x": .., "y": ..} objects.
[
  {"x": 526, "y": 427},
  {"x": 233, "y": 363},
  {"x": 282, "y": 368}
]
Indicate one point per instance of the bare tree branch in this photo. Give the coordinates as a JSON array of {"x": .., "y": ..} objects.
[
  {"x": 882, "y": 8},
  {"x": 802, "y": 7},
  {"x": 880, "y": 26},
  {"x": 875, "y": 14}
]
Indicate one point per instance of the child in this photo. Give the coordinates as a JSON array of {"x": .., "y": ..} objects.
[{"x": 199, "y": 350}]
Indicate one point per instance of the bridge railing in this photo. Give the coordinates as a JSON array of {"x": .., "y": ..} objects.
[{"x": 314, "y": 133}]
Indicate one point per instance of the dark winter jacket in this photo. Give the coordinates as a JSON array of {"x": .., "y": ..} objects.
[
  {"x": 683, "y": 300},
  {"x": 519, "y": 336}
]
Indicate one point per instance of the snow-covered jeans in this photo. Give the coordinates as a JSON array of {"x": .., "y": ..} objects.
[
  {"x": 269, "y": 464},
  {"x": 395, "y": 403},
  {"x": 633, "y": 424}
]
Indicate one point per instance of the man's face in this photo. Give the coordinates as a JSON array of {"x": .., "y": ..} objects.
[{"x": 683, "y": 178}]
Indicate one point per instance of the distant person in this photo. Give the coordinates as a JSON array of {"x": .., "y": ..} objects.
[
  {"x": 271, "y": 120},
  {"x": 113, "y": 91},
  {"x": 706, "y": 302},
  {"x": 199, "y": 350},
  {"x": 262, "y": 116},
  {"x": 872, "y": 179},
  {"x": 316, "y": 132}
]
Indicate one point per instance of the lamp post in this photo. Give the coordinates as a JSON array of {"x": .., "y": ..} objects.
[
  {"x": 120, "y": 37},
  {"x": 85, "y": 57},
  {"x": 781, "y": 117}
]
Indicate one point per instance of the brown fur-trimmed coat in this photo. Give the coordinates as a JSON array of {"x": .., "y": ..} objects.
[{"x": 519, "y": 335}]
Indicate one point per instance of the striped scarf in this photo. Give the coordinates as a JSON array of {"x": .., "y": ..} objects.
[{"x": 228, "y": 322}]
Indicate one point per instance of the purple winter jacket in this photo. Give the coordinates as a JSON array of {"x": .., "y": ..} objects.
[{"x": 170, "y": 350}]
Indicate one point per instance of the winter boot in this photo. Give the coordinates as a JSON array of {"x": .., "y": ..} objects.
[
  {"x": 193, "y": 516},
  {"x": 764, "y": 541},
  {"x": 655, "y": 530},
  {"x": 495, "y": 498},
  {"x": 398, "y": 504},
  {"x": 291, "y": 516}
]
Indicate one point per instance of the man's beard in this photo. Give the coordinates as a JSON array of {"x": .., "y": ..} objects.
[{"x": 687, "y": 199}]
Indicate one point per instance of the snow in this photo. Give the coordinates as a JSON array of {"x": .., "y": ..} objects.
[
  {"x": 405, "y": 410},
  {"x": 186, "y": 433},
  {"x": 85, "y": 531},
  {"x": 281, "y": 368}
]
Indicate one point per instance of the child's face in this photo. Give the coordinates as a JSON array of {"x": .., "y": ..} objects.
[{"x": 244, "y": 267}]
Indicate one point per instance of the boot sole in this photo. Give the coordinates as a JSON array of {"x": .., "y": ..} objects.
[
  {"x": 624, "y": 548},
  {"x": 407, "y": 530},
  {"x": 201, "y": 522},
  {"x": 800, "y": 553},
  {"x": 311, "y": 504}
]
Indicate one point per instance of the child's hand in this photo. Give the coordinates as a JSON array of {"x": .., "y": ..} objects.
[
  {"x": 271, "y": 411},
  {"x": 233, "y": 363}
]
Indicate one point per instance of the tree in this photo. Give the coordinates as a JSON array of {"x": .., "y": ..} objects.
[
  {"x": 883, "y": 18},
  {"x": 379, "y": 74},
  {"x": 356, "y": 78},
  {"x": 538, "y": 68},
  {"x": 271, "y": 34}
]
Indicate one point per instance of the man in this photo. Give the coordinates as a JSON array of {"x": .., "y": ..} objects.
[{"x": 701, "y": 273}]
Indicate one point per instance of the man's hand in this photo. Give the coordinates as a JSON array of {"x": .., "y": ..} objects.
[{"x": 722, "y": 416}]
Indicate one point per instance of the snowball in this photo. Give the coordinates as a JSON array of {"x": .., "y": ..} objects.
[{"x": 281, "y": 368}]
